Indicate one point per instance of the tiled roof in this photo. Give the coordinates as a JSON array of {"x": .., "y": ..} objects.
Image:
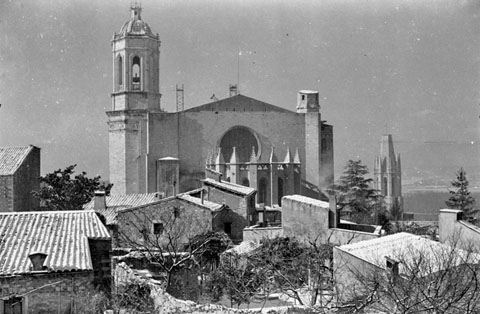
[
  {"x": 231, "y": 187},
  {"x": 207, "y": 204},
  {"x": 11, "y": 158},
  {"x": 62, "y": 235},
  {"x": 307, "y": 200},
  {"x": 405, "y": 248},
  {"x": 126, "y": 200},
  {"x": 118, "y": 202}
]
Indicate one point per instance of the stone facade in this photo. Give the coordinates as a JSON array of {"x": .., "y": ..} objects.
[
  {"x": 46, "y": 293},
  {"x": 140, "y": 134},
  {"x": 148, "y": 225},
  {"x": 16, "y": 187}
]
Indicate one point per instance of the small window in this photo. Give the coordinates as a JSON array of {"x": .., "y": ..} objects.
[
  {"x": 303, "y": 97},
  {"x": 158, "y": 228},
  {"x": 227, "y": 227},
  {"x": 13, "y": 305},
  {"x": 176, "y": 212}
]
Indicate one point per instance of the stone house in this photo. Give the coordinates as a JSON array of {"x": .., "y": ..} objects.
[
  {"x": 240, "y": 211},
  {"x": 52, "y": 261},
  {"x": 147, "y": 221},
  {"x": 19, "y": 173},
  {"x": 396, "y": 258}
]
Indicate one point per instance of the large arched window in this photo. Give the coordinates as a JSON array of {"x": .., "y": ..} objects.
[
  {"x": 136, "y": 73},
  {"x": 243, "y": 140},
  {"x": 120, "y": 70},
  {"x": 262, "y": 191}
]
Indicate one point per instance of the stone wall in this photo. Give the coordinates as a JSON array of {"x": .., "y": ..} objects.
[
  {"x": 50, "y": 292},
  {"x": 16, "y": 189},
  {"x": 6, "y": 193},
  {"x": 181, "y": 220},
  {"x": 102, "y": 263},
  {"x": 237, "y": 223},
  {"x": 25, "y": 181},
  {"x": 305, "y": 218},
  {"x": 257, "y": 234},
  {"x": 456, "y": 232}
]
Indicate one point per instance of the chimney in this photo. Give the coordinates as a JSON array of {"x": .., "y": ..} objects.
[
  {"x": 392, "y": 267},
  {"x": 99, "y": 202},
  {"x": 333, "y": 215},
  {"x": 37, "y": 259}
]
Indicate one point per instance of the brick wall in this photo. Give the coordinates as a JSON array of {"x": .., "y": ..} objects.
[{"x": 50, "y": 292}]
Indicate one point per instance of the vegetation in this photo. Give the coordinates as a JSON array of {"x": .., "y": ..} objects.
[
  {"x": 298, "y": 270},
  {"x": 460, "y": 197},
  {"x": 357, "y": 200},
  {"x": 61, "y": 190}
]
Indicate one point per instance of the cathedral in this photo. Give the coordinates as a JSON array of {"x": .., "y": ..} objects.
[
  {"x": 246, "y": 141},
  {"x": 387, "y": 173}
]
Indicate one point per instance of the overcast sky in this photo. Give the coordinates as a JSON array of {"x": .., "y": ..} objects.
[{"x": 409, "y": 68}]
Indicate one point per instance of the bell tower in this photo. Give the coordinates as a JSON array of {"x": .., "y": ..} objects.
[
  {"x": 136, "y": 94},
  {"x": 136, "y": 54}
]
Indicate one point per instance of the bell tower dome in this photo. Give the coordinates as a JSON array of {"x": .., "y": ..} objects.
[{"x": 136, "y": 54}]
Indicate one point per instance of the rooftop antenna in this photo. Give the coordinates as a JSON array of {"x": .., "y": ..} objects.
[
  {"x": 180, "y": 98},
  {"x": 238, "y": 71}
]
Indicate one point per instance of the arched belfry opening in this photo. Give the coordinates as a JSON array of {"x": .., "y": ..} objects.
[
  {"x": 136, "y": 73},
  {"x": 243, "y": 139},
  {"x": 119, "y": 71}
]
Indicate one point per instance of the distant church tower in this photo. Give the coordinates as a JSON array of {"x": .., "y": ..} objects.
[
  {"x": 387, "y": 173},
  {"x": 136, "y": 94}
]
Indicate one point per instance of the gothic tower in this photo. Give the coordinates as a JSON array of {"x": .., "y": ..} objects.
[
  {"x": 387, "y": 173},
  {"x": 135, "y": 95}
]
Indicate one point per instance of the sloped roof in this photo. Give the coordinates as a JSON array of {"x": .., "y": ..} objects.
[
  {"x": 12, "y": 157},
  {"x": 307, "y": 200},
  {"x": 406, "y": 248},
  {"x": 117, "y": 202},
  {"x": 230, "y": 187},
  {"x": 197, "y": 201},
  {"x": 237, "y": 103},
  {"x": 62, "y": 235}
]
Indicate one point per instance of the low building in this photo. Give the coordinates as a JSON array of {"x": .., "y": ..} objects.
[
  {"x": 146, "y": 221},
  {"x": 19, "y": 174},
  {"x": 395, "y": 258},
  {"x": 313, "y": 220},
  {"x": 453, "y": 230},
  {"x": 52, "y": 261}
]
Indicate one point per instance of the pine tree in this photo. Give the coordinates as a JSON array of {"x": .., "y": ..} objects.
[
  {"x": 355, "y": 195},
  {"x": 460, "y": 197}
]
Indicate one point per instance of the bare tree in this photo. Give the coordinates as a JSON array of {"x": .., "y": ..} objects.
[
  {"x": 432, "y": 278},
  {"x": 167, "y": 236}
]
